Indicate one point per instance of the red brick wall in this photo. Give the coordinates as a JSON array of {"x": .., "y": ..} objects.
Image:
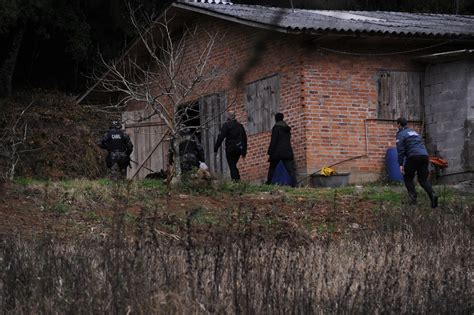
[{"x": 340, "y": 101}]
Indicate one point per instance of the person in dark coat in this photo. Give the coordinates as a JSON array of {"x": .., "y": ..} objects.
[
  {"x": 119, "y": 147},
  {"x": 280, "y": 149},
  {"x": 413, "y": 159},
  {"x": 235, "y": 143}
]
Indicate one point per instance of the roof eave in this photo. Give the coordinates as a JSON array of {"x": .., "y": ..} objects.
[
  {"x": 313, "y": 31},
  {"x": 447, "y": 56},
  {"x": 230, "y": 18}
]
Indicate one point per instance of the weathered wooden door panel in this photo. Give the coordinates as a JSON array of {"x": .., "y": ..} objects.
[
  {"x": 400, "y": 94},
  {"x": 262, "y": 100},
  {"x": 212, "y": 115},
  {"x": 145, "y": 134}
]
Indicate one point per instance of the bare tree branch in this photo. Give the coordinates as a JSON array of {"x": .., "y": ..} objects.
[{"x": 12, "y": 139}]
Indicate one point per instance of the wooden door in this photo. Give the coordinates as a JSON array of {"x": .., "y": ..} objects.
[
  {"x": 400, "y": 94},
  {"x": 212, "y": 115},
  {"x": 145, "y": 134},
  {"x": 262, "y": 100}
]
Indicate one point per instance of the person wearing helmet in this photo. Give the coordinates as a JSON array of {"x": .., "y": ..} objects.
[
  {"x": 119, "y": 147},
  {"x": 191, "y": 153}
]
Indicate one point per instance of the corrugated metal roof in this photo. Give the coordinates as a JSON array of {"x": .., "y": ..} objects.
[{"x": 325, "y": 21}]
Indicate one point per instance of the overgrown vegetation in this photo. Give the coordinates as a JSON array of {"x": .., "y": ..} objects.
[
  {"x": 231, "y": 259},
  {"x": 46, "y": 135}
]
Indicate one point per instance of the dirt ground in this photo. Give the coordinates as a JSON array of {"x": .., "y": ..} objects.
[{"x": 32, "y": 210}]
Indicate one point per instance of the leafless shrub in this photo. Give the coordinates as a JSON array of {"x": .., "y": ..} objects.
[{"x": 13, "y": 135}]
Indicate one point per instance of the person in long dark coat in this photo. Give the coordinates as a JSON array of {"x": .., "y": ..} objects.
[
  {"x": 280, "y": 149},
  {"x": 235, "y": 143}
]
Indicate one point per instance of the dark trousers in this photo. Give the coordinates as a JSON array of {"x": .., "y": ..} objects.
[
  {"x": 232, "y": 159},
  {"x": 417, "y": 165},
  {"x": 290, "y": 168}
]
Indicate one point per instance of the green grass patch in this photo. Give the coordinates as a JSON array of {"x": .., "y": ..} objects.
[
  {"x": 152, "y": 184},
  {"x": 60, "y": 208},
  {"x": 200, "y": 216},
  {"x": 304, "y": 192},
  {"x": 68, "y": 184},
  {"x": 382, "y": 194},
  {"x": 104, "y": 182},
  {"x": 92, "y": 215},
  {"x": 347, "y": 190},
  {"x": 323, "y": 194},
  {"x": 245, "y": 188},
  {"x": 326, "y": 228},
  {"x": 24, "y": 181},
  {"x": 449, "y": 195},
  {"x": 129, "y": 218}
]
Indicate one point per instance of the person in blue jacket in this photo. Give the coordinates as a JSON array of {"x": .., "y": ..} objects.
[{"x": 413, "y": 159}]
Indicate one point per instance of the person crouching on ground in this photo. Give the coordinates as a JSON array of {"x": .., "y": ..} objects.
[
  {"x": 413, "y": 159},
  {"x": 119, "y": 147}
]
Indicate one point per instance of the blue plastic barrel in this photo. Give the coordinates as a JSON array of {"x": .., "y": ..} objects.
[{"x": 391, "y": 163}]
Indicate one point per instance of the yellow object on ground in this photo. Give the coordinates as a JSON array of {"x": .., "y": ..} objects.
[{"x": 327, "y": 171}]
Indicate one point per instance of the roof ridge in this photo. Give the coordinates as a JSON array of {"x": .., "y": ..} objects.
[{"x": 206, "y": 1}]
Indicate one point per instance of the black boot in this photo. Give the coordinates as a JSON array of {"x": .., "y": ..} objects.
[
  {"x": 411, "y": 199},
  {"x": 434, "y": 201}
]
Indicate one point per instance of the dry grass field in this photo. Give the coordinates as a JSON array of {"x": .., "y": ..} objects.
[{"x": 85, "y": 246}]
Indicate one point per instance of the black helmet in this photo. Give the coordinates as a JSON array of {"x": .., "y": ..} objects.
[{"x": 116, "y": 125}]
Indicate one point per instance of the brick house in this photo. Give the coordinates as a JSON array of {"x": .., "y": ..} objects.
[{"x": 341, "y": 78}]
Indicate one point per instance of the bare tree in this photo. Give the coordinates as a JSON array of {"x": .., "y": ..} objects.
[
  {"x": 12, "y": 142},
  {"x": 176, "y": 68}
]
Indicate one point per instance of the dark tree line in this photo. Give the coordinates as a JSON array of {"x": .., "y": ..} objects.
[{"x": 56, "y": 43}]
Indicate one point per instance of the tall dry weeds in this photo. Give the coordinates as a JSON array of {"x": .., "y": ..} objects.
[{"x": 420, "y": 264}]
